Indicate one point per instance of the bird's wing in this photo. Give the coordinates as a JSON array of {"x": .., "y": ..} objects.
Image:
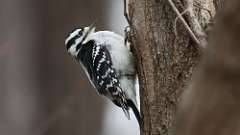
[
  {"x": 107, "y": 78},
  {"x": 104, "y": 77}
]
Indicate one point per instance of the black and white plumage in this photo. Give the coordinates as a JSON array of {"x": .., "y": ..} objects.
[{"x": 108, "y": 64}]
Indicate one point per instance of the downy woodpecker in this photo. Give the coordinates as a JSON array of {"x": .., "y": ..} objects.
[{"x": 108, "y": 63}]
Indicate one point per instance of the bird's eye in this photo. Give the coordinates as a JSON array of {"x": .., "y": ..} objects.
[{"x": 80, "y": 33}]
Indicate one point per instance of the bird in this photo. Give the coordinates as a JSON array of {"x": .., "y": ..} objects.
[{"x": 109, "y": 65}]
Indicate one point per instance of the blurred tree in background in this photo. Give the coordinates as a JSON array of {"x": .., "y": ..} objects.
[{"x": 41, "y": 89}]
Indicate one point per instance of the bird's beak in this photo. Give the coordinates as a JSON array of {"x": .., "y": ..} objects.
[{"x": 91, "y": 28}]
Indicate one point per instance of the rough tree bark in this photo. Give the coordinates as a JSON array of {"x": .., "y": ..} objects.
[
  {"x": 165, "y": 59},
  {"x": 211, "y": 105}
]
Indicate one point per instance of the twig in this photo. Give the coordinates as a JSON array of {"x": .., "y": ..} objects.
[
  {"x": 192, "y": 35},
  {"x": 126, "y": 12},
  {"x": 175, "y": 22}
]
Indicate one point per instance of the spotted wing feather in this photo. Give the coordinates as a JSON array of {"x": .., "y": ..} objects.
[{"x": 104, "y": 77}]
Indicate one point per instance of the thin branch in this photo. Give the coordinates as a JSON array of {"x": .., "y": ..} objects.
[
  {"x": 175, "y": 22},
  {"x": 192, "y": 35},
  {"x": 126, "y": 11}
]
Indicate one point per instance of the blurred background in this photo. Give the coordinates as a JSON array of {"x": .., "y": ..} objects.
[{"x": 42, "y": 90}]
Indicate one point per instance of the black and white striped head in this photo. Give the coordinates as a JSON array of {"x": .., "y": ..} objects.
[{"x": 77, "y": 38}]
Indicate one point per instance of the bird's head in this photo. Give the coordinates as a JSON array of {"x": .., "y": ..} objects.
[{"x": 77, "y": 38}]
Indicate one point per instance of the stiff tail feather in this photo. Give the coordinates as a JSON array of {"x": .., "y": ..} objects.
[
  {"x": 135, "y": 111},
  {"x": 125, "y": 110}
]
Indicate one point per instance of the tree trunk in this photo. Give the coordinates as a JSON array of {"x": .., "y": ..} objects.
[
  {"x": 211, "y": 105},
  {"x": 165, "y": 59}
]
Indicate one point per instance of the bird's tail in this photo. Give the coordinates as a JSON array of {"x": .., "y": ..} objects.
[
  {"x": 125, "y": 104},
  {"x": 135, "y": 111},
  {"x": 125, "y": 109}
]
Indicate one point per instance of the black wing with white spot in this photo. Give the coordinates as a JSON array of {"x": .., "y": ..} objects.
[
  {"x": 104, "y": 74},
  {"x": 104, "y": 77}
]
